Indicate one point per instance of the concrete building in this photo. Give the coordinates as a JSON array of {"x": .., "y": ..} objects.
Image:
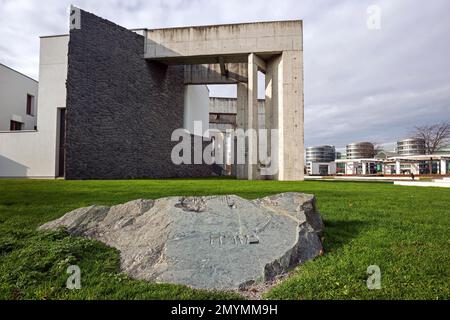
[
  {"x": 36, "y": 154},
  {"x": 223, "y": 117},
  {"x": 110, "y": 98},
  {"x": 18, "y": 100},
  {"x": 223, "y": 113}
]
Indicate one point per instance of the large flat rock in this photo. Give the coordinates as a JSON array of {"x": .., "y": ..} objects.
[{"x": 214, "y": 242}]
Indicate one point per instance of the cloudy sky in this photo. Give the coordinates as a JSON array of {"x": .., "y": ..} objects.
[{"x": 360, "y": 83}]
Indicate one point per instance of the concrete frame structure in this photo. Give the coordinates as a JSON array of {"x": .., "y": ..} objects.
[
  {"x": 222, "y": 117},
  {"x": 89, "y": 88},
  {"x": 234, "y": 54}
]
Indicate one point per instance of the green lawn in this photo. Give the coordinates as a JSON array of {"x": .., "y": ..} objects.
[{"x": 404, "y": 230}]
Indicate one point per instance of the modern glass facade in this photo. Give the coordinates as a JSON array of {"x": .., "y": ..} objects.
[
  {"x": 411, "y": 147},
  {"x": 320, "y": 154},
  {"x": 360, "y": 150}
]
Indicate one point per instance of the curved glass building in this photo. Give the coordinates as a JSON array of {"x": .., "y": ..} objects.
[
  {"x": 411, "y": 147},
  {"x": 320, "y": 154},
  {"x": 360, "y": 150}
]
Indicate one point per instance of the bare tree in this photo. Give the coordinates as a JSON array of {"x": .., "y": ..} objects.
[
  {"x": 377, "y": 146},
  {"x": 436, "y": 136}
]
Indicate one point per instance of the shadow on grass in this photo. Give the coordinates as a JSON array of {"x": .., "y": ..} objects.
[{"x": 340, "y": 232}]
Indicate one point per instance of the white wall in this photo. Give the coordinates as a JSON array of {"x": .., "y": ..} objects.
[
  {"x": 35, "y": 154},
  {"x": 14, "y": 88},
  {"x": 196, "y": 107},
  {"x": 314, "y": 167}
]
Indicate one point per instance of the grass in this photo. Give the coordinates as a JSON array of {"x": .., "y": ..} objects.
[{"x": 403, "y": 230}]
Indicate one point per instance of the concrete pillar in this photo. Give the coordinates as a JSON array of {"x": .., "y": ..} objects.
[
  {"x": 443, "y": 166},
  {"x": 271, "y": 111},
  {"x": 286, "y": 76},
  {"x": 398, "y": 167},
  {"x": 364, "y": 168},
  {"x": 349, "y": 168},
  {"x": 241, "y": 123},
  {"x": 415, "y": 168},
  {"x": 252, "y": 118}
]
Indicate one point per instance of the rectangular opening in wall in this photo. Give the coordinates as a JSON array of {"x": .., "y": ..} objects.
[
  {"x": 223, "y": 107},
  {"x": 30, "y": 105},
  {"x": 261, "y": 100},
  {"x": 15, "y": 125},
  {"x": 61, "y": 142}
]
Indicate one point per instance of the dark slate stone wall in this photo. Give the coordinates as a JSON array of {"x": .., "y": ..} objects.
[{"x": 121, "y": 109}]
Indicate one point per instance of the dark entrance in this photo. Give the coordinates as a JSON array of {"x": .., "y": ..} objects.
[
  {"x": 62, "y": 142},
  {"x": 323, "y": 170}
]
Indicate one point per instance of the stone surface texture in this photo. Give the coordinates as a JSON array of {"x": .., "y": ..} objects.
[{"x": 213, "y": 242}]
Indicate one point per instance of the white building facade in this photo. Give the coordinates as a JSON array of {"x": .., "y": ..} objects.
[
  {"x": 18, "y": 100},
  {"x": 35, "y": 153}
]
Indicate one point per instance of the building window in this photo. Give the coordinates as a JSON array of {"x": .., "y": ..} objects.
[
  {"x": 15, "y": 125},
  {"x": 30, "y": 105}
]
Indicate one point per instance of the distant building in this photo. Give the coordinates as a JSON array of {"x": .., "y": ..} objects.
[
  {"x": 383, "y": 155},
  {"x": 445, "y": 150},
  {"x": 320, "y": 160},
  {"x": 360, "y": 150},
  {"x": 411, "y": 147},
  {"x": 18, "y": 100},
  {"x": 320, "y": 154}
]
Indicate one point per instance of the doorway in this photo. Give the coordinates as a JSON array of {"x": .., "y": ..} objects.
[{"x": 62, "y": 142}]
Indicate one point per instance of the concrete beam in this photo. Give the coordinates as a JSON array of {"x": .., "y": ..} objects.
[
  {"x": 260, "y": 63},
  {"x": 235, "y": 41},
  {"x": 212, "y": 74}
]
